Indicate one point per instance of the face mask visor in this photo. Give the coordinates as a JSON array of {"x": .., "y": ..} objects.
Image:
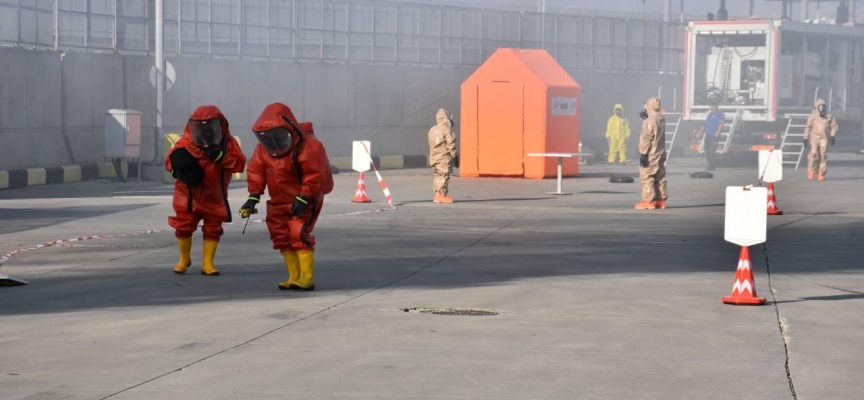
[
  {"x": 277, "y": 141},
  {"x": 206, "y": 133}
]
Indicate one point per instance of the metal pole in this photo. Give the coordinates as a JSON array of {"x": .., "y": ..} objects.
[
  {"x": 114, "y": 32},
  {"x": 805, "y": 10},
  {"x": 682, "y": 11},
  {"x": 542, "y": 23},
  {"x": 752, "y": 8},
  {"x": 160, "y": 81},
  {"x": 267, "y": 15},
  {"x": 86, "y": 24},
  {"x": 667, "y": 11},
  {"x": 321, "y": 33},
  {"x": 180, "y": 27},
  {"x": 241, "y": 26},
  {"x": 56, "y": 24},
  {"x": 210, "y": 27},
  {"x": 19, "y": 21}
]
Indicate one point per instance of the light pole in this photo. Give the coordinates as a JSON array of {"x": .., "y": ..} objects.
[{"x": 160, "y": 81}]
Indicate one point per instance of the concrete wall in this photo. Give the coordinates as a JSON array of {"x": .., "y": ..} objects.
[{"x": 52, "y": 105}]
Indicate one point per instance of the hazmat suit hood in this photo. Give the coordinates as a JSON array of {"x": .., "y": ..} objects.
[
  {"x": 820, "y": 103},
  {"x": 307, "y": 129},
  {"x": 617, "y": 108},
  {"x": 653, "y": 106},
  {"x": 276, "y": 129},
  {"x": 205, "y": 113},
  {"x": 443, "y": 116}
]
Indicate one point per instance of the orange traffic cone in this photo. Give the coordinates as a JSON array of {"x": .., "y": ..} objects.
[
  {"x": 772, "y": 202},
  {"x": 744, "y": 290},
  {"x": 360, "y": 195}
]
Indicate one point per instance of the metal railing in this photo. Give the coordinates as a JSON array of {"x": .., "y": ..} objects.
[{"x": 355, "y": 31}]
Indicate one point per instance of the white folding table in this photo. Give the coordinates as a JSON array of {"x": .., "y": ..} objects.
[{"x": 561, "y": 157}]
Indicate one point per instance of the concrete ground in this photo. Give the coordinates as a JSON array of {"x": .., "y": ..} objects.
[{"x": 595, "y": 300}]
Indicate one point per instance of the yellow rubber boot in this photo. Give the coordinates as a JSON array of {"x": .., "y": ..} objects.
[
  {"x": 292, "y": 262},
  {"x": 185, "y": 246},
  {"x": 307, "y": 271},
  {"x": 207, "y": 267}
]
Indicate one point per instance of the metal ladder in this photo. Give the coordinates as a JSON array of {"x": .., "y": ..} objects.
[
  {"x": 673, "y": 132},
  {"x": 792, "y": 143},
  {"x": 726, "y": 134}
]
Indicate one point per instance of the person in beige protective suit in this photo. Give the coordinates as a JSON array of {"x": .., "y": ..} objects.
[
  {"x": 819, "y": 126},
  {"x": 652, "y": 163},
  {"x": 442, "y": 155}
]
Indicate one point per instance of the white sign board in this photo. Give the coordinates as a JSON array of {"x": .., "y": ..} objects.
[
  {"x": 361, "y": 160},
  {"x": 170, "y": 75},
  {"x": 746, "y": 216},
  {"x": 770, "y": 166},
  {"x": 564, "y": 106}
]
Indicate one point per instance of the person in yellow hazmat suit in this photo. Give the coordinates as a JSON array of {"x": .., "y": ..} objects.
[
  {"x": 617, "y": 132},
  {"x": 820, "y": 133},
  {"x": 652, "y": 161}
]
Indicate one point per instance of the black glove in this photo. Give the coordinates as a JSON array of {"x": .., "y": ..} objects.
[
  {"x": 456, "y": 161},
  {"x": 643, "y": 114},
  {"x": 833, "y": 139},
  {"x": 185, "y": 167},
  {"x": 805, "y": 141},
  {"x": 299, "y": 206},
  {"x": 643, "y": 160},
  {"x": 216, "y": 154},
  {"x": 248, "y": 208}
]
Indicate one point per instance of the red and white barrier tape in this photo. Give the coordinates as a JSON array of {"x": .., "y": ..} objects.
[
  {"x": 5, "y": 258},
  {"x": 14, "y": 253},
  {"x": 384, "y": 188}
]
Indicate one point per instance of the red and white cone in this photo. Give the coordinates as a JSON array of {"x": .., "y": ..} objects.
[
  {"x": 772, "y": 202},
  {"x": 744, "y": 289},
  {"x": 360, "y": 195}
]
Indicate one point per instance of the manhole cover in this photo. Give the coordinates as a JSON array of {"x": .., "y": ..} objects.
[{"x": 471, "y": 312}]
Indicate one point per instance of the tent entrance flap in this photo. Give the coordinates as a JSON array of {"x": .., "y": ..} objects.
[{"x": 500, "y": 133}]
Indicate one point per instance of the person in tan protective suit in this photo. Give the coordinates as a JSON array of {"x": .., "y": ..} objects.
[
  {"x": 442, "y": 155},
  {"x": 652, "y": 163},
  {"x": 820, "y": 125}
]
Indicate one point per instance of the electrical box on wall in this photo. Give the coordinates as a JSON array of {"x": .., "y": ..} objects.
[{"x": 122, "y": 134}]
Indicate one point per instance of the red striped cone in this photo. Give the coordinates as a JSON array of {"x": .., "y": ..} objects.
[
  {"x": 360, "y": 195},
  {"x": 744, "y": 289},
  {"x": 772, "y": 202}
]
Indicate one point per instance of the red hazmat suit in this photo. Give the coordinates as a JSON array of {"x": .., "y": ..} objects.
[
  {"x": 304, "y": 171},
  {"x": 210, "y": 197}
]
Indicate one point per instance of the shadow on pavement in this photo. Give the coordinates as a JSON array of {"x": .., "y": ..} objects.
[
  {"x": 17, "y": 220},
  {"x": 414, "y": 254}
]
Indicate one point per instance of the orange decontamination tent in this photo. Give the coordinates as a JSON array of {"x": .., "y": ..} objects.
[{"x": 519, "y": 102}]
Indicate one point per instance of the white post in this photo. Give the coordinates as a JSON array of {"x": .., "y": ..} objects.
[
  {"x": 560, "y": 172},
  {"x": 160, "y": 81}
]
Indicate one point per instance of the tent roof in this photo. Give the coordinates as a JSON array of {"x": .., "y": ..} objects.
[{"x": 519, "y": 64}]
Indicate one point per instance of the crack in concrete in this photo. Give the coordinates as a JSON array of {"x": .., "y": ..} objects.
[{"x": 781, "y": 324}]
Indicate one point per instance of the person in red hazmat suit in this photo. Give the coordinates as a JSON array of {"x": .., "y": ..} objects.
[
  {"x": 292, "y": 166},
  {"x": 202, "y": 161}
]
